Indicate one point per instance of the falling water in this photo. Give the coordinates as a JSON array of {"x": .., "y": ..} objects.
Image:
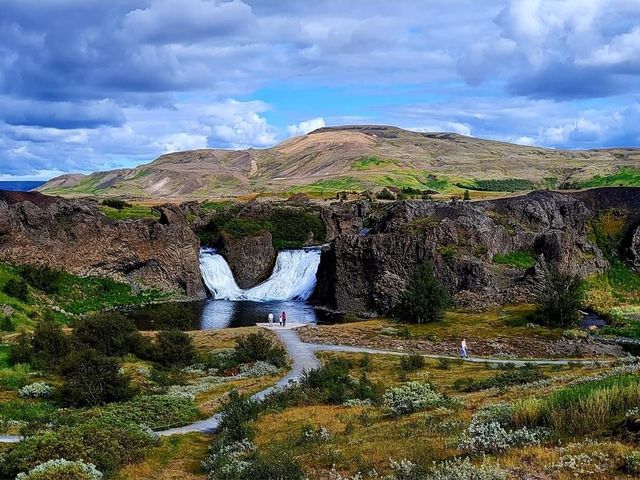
[{"x": 293, "y": 277}]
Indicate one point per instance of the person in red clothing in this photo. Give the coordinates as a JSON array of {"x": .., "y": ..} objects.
[{"x": 284, "y": 319}]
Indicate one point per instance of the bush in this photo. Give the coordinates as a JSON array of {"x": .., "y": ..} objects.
[
  {"x": 61, "y": 469},
  {"x": 17, "y": 288},
  {"x": 174, "y": 348},
  {"x": 36, "y": 390},
  {"x": 43, "y": 278},
  {"x": 91, "y": 379},
  {"x": 558, "y": 298},
  {"x": 50, "y": 344},
  {"x": 411, "y": 397},
  {"x": 21, "y": 351},
  {"x": 331, "y": 383},
  {"x": 259, "y": 347},
  {"x": 107, "y": 447},
  {"x": 463, "y": 469},
  {"x": 236, "y": 413},
  {"x": 411, "y": 362},
  {"x": 110, "y": 334},
  {"x": 116, "y": 203},
  {"x": 424, "y": 300},
  {"x": 632, "y": 463},
  {"x": 6, "y": 324},
  {"x": 158, "y": 412}
]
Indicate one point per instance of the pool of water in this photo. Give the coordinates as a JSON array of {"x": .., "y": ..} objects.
[{"x": 214, "y": 314}]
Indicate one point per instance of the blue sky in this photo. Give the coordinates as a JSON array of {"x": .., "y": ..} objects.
[{"x": 90, "y": 85}]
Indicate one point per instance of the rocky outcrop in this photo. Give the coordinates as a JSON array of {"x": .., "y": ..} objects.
[
  {"x": 460, "y": 240},
  {"x": 73, "y": 235},
  {"x": 343, "y": 218},
  {"x": 251, "y": 259},
  {"x": 634, "y": 250}
]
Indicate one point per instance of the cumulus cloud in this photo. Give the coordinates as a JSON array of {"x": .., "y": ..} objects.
[
  {"x": 89, "y": 84},
  {"x": 306, "y": 126}
]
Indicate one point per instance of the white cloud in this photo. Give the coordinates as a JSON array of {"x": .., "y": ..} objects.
[
  {"x": 183, "y": 141},
  {"x": 455, "y": 127},
  {"x": 306, "y": 126}
]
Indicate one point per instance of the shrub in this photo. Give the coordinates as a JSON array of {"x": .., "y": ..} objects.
[
  {"x": 463, "y": 469},
  {"x": 424, "y": 300},
  {"x": 50, "y": 344},
  {"x": 411, "y": 397},
  {"x": 411, "y": 362},
  {"x": 110, "y": 334},
  {"x": 43, "y": 278},
  {"x": 558, "y": 299},
  {"x": 229, "y": 461},
  {"x": 106, "y": 446},
  {"x": 236, "y": 413},
  {"x": 36, "y": 390},
  {"x": 259, "y": 347},
  {"x": 116, "y": 203},
  {"x": 6, "y": 324},
  {"x": 311, "y": 434},
  {"x": 331, "y": 383},
  {"x": 21, "y": 351},
  {"x": 492, "y": 437},
  {"x": 632, "y": 463},
  {"x": 17, "y": 288},
  {"x": 61, "y": 469},
  {"x": 174, "y": 348},
  {"x": 92, "y": 379},
  {"x": 153, "y": 411}
]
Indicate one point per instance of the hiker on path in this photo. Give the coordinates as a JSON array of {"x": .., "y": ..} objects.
[
  {"x": 280, "y": 319},
  {"x": 270, "y": 317},
  {"x": 284, "y": 319},
  {"x": 463, "y": 348}
]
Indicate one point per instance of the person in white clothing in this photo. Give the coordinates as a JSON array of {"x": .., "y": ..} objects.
[
  {"x": 280, "y": 320},
  {"x": 270, "y": 317},
  {"x": 463, "y": 348}
]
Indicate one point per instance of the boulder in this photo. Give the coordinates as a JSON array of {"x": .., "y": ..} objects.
[{"x": 251, "y": 259}]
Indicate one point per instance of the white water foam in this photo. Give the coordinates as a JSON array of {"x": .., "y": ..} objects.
[{"x": 293, "y": 277}]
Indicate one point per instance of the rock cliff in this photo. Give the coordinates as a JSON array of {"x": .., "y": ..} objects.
[
  {"x": 75, "y": 236},
  {"x": 462, "y": 240}
]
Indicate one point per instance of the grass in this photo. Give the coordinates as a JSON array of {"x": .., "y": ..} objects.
[
  {"x": 134, "y": 212},
  {"x": 502, "y": 185},
  {"x": 624, "y": 177},
  {"x": 177, "y": 457},
  {"x": 370, "y": 163},
  {"x": 332, "y": 185},
  {"x": 25, "y": 410},
  {"x": 74, "y": 294},
  {"x": 519, "y": 259},
  {"x": 583, "y": 408},
  {"x": 4, "y": 356}
]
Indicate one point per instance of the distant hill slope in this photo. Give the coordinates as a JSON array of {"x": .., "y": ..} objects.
[{"x": 359, "y": 158}]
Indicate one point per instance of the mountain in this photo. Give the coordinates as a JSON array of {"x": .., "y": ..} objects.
[{"x": 359, "y": 158}]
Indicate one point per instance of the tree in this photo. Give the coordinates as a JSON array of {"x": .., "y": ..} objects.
[
  {"x": 92, "y": 379},
  {"x": 21, "y": 351},
  {"x": 559, "y": 296},
  {"x": 174, "y": 348},
  {"x": 17, "y": 288},
  {"x": 111, "y": 334},
  {"x": 424, "y": 299},
  {"x": 50, "y": 344}
]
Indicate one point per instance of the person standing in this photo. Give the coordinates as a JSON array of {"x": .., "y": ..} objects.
[
  {"x": 280, "y": 319},
  {"x": 463, "y": 348},
  {"x": 284, "y": 319},
  {"x": 270, "y": 317}
]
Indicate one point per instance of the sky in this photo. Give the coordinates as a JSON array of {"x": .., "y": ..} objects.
[{"x": 90, "y": 85}]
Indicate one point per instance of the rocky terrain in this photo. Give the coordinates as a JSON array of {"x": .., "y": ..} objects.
[
  {"x": 355, "y": 158},
  {"x": 75, "y": 236},
  {"x": 462, "y": 240}
]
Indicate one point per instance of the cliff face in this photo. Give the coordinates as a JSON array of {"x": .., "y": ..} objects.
[
  {"x": 251, "y": 259},
  {"x": 460, "y": 240},
  {"x": 75, "y": 236}
]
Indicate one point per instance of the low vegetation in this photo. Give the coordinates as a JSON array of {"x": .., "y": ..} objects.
[
  {"x": 502, "y": 185},
  {"x": 518, "y": 259}
]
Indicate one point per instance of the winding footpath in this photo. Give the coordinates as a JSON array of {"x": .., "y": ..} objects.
[{"x": 303, "y": 356}]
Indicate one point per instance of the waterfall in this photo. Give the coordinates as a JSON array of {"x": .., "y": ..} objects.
[{"x": 293, "y": 277}]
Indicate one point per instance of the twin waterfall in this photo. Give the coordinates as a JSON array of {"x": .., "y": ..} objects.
[{"x": 293, "y": 277}]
